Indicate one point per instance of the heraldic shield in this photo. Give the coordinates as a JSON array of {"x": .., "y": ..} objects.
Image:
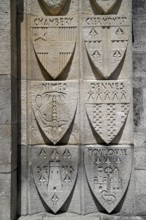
[
  {"x": 54, "y": 7},
  {"x": 107, "y": 106},
  {"x": 54, "y": 106},
  {"x": 108, "y": 170},
  {"x": 55, "y": 172},
  {"x": 54, "y": 40},
  {"x": 106, "y": 6},
  {"x": 106, "y": 40}
]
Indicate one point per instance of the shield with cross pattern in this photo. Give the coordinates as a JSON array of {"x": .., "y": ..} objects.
[
  {"x": 108, "y": 171},
  {"x": 106, "y": 41},
  {"x": 54, "y": 172},
  {"x": 54, "y": 41}
]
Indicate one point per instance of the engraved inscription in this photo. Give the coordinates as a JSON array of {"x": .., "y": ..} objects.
[
  {"x": 108, "y": 172},
  {"x": 107, "y": 106},
  {"x": 106, "y": 41},
  {"x": 54, "y": 40},
  {"x": 55, "y": 174},
  {"x": 54, "y": 107}
]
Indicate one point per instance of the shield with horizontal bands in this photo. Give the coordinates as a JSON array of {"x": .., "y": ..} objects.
[
  {"x": 108, "y": 171},
  {"x": 106, "y": 40},
  {"x": 54, "y": 41},
  {"x": 54, "y": 7},
  {"x": 54, "y": 106},
  {"x": 54, "y": 171},
  {"x": 107, "y": 106}
]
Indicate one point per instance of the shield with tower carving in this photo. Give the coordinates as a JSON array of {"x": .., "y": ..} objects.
[
  {"x": 108, "y": 171},
  {"x": 54, "y": 172}
]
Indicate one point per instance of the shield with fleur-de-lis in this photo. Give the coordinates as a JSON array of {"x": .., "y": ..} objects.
[
  {"x": 54, "y": 171},
  {"x": 54, "y": 7},
  {"x": 105, "y": 6},
  {"x": 106, "y": 40},
  {"x": 108, "y": 172},
  {"x": 54, "y": 41},
  {"x": 54, "y": 106},
  {"x": 107, "y": 106}
]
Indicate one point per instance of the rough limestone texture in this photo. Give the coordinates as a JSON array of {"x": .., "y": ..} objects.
[
  {"x": 70, "y": 101},
  {"x": 8, "y": 111}
]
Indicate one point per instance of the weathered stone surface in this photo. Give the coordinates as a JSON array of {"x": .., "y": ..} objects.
[{"x": 8, "y": 198}]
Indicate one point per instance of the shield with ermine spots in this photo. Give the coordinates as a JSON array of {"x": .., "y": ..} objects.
[
  {"x": 105, "y": 5},
  {"x": 54, "y": 6},
  {"x": 54, "y": 41},
  {"x": 108, "y": 171},
  {"x": 54, "y": 106},
  {"x": 106, "y": 40},
  {"x": 54, "y": 171},
  {"x": 107, "y": 106}
]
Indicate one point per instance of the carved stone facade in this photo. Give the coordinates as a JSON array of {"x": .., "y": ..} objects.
[{"x": 78, "y": 155}]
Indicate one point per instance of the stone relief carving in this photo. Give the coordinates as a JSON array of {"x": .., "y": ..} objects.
[
  {"x": 54, "y": 6},
  {"x": 107, "y": 106},
  {"x": 55, "y": 171},
  {"x": 54, "y": 106},
  {"x": 54, "y": 41},
  {"x": 105, "y": 5},
  {"x": 106, "y": 40},
  {"x": 108, "y": 171}
]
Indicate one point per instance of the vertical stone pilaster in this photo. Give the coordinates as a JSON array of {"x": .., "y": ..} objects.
[{"x": 8, "y": 110}]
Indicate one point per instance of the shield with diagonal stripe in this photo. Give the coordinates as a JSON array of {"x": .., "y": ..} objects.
[
  {"x": 106, "y": 40},
  {"x": 107, "y": 106},
  {"x": 54, "y": 40},
  {"x": 54, "y": 171}
]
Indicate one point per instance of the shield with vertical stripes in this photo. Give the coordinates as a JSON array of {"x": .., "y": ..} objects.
[
  {"x": 54, "y": 40},
  {"x": 106, "y": 40}
]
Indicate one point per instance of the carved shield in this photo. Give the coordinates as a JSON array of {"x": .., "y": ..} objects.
[
  {"x": 108, "y": 171},
  {"x": 54, "y": 40},
  {"x": 54, "y": 106},
  {"x": 54, "y": 7},
  {"x": 106, "y": 40},
  {"x": 55, "y": 171},
  {"x": 107, "y": 106},
  {"x": 106, "y": 6}
]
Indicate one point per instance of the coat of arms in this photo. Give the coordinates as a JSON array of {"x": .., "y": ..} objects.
[
  {"x": 54, "y": 7},
  {"x": 54, "y": 40},
  {"x": 107, "y": 106},
  {"x": 55, "y": 171},
  {"x": 54, "y": 106},
  {"x": 105, "y": 6},
  {"x": 108, "y": 171},
  {"x": 106, "y": 40}
]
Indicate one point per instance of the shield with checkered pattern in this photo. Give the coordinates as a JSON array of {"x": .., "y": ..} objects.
[{"x": 107, "y": 106}]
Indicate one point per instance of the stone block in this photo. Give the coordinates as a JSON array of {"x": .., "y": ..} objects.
[
  {"x": 140, "y": 193},
  {"x": 8, "y": 148},
  {"x": 8, "y": 198}
]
